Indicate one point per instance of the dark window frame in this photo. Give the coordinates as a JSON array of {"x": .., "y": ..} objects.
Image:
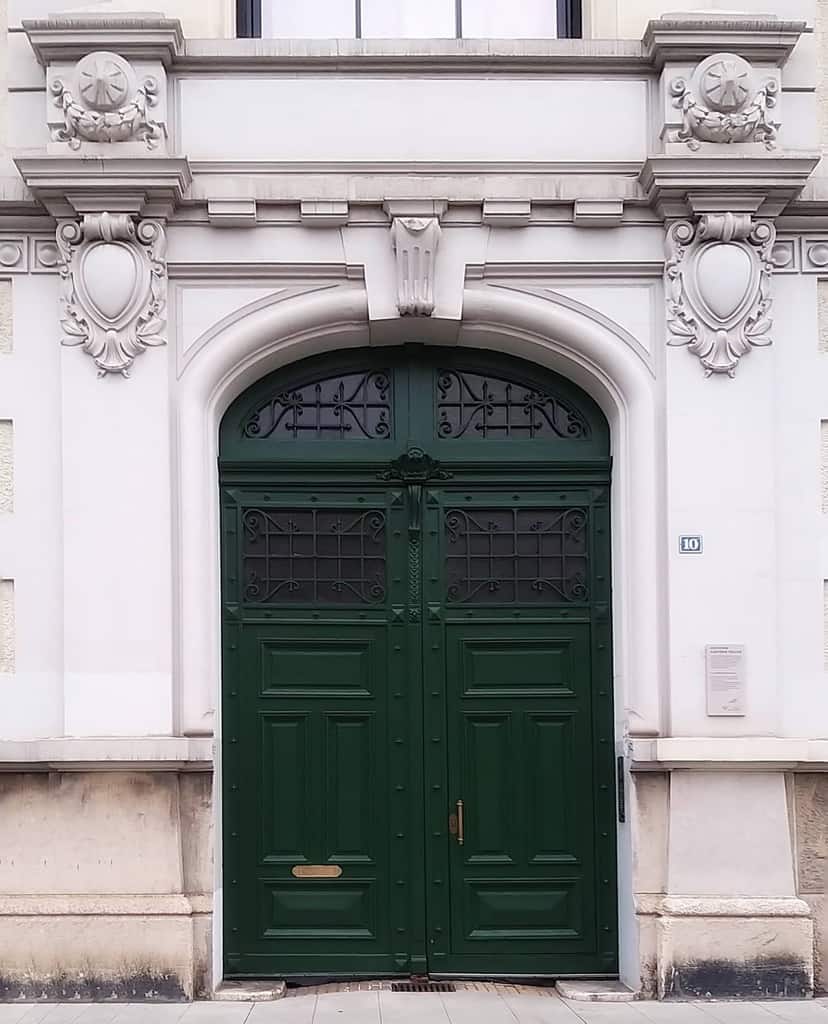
[{"x": 249, "y": 19}]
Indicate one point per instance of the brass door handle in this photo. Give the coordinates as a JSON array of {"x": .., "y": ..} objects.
[{"x": 456, "y": 823}]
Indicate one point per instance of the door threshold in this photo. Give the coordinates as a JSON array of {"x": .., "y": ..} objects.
[
  {"x": 523, "y": 979},
  {"x": 594, "y": 991}
]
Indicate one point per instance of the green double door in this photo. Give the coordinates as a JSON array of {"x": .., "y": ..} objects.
[{"x": 417, "y": 714}]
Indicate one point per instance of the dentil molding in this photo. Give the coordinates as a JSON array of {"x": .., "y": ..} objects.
[
  {"x": 725, "y": 102},
  {"x": 717, "y": 284},
  {"x": 113, "y": 287}
]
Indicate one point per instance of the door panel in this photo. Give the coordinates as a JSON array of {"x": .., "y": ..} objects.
[
  {"x": 416, "y": 614},
  {"x": 320, "y": 746},
  {"x": 511, "y": 639},
  {"x": 519, "y": 758},
  {"x": 316, "y": 798}
]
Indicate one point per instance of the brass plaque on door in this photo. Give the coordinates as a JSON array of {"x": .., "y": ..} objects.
[{"x": 316, "y": 871}]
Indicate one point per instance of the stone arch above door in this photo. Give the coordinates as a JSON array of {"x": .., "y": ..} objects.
[{"x": 557, "y": 336}]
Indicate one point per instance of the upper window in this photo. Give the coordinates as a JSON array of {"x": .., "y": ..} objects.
[{"x": 411, "y": 19}]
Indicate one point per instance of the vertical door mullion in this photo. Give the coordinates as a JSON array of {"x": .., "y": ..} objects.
[{"x": 439, "y": 801}]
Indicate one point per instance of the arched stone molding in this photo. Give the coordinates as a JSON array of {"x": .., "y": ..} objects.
[
  {"x": 586, "y": 351},
  {"x": 249, "y": 346},
  {"x": 535, "y": 328}
]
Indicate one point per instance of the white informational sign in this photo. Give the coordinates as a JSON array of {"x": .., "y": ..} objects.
[
  {"x": 725, "y": 670},
  {"x": 691, "y": 544}
]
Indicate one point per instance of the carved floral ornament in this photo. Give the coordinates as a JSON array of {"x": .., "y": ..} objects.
[
  {"x": 106, "y": 104},
  {"x": 723, "y": 103},
  {"x": 717, "y": 282},
  {"x": 113, "y": 287}
]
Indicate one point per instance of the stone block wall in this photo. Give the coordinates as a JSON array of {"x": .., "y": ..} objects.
[
  {"x": 809, "y": 799},
  {"x": 105, "y": 885}
]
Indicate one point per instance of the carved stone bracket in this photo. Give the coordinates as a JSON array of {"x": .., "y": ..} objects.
[
  {"x": 113, "y": 287},
  {"x": 722, "y": 102},
  {"x": 717, "y": 283},
  {"x": 102, "y": 101},
  {"x": 415, "y": 241}
]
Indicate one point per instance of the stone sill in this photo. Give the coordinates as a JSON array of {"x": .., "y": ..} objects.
[
  {"x": 116, "y": 753},
  {"x": 726, "y": 753}
]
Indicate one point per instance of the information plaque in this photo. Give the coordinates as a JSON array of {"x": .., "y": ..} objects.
[{"x": 725, "y": 670}]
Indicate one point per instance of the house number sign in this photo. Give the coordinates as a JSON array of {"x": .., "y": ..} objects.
[
  {"x": 725, "y": 671},
  {"x": 691, "y": 544}
]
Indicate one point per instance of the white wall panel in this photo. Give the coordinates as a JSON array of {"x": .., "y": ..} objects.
[
  {"x": 117, "y": 577},
  {"x": 411, "y": 119},
  {"x": 27, "y": 120},
  {"x": 24, "y": 72},
  {"x": 31, "y": 537}
]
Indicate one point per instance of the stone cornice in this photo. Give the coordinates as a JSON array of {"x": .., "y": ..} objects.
[
  {"x": 66, "y": 37},
  {"x": 68, "y": 187},
  {"x": 415, "y": 56},
  {"x": 678, "y": 186},
  {"x": 688, "y": 38}
]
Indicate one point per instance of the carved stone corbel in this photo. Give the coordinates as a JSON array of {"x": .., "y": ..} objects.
[
  {"x": 717, "y": 284},
  {"x": 722, "y": 102},
  {"x": 415, "y": 241},
  {"x": 102, "y": 100},
  {"x": 113, "y": 287}
]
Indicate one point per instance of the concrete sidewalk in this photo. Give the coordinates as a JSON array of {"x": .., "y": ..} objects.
[{"x": 380, "y": 1007}]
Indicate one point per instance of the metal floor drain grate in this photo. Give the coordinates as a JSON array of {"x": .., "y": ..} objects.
[{"x": 422, "y": 986}]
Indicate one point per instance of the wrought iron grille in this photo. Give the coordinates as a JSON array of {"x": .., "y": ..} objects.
[
  {"x": 478, "y": 405},
  {"x": 313, "y": 556},
  {"x": 517, "y": 556},
  {"x": 348, "y": 405}
]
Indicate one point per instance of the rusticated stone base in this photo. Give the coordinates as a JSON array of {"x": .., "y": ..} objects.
[
  {"x": 105, "y": 880},
  {"x": 735, "y": 948},
  {"x": 753, "y": 979}
]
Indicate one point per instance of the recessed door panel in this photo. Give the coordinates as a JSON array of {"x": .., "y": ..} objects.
[{"x": 350, "y": 760}]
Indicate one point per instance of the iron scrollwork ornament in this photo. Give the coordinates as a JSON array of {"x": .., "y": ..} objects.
[
  {"x": 517, "y": 555},
  {"x": 357, "y": 405},
  {"x": 415, "y": 466},
  {"x": 113, "y": 288},
  {"x": 476, "y": 405},
  {"x": 717, "y": 284},
  {"x": 311, "y": 556}
]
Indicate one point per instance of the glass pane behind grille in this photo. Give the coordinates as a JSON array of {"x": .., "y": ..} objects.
[
  {"x": 474, "y": 405},
  {"x": 517, "y": 556},
  {"x": 313, "y": 556},
  {"x": 353, "y": 405}
]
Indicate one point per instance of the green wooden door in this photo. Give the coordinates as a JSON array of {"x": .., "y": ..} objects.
[{"x": 417, "y": 705}]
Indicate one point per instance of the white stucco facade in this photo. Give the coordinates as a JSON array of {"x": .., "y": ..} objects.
[{"x": 255, "y": 190}]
